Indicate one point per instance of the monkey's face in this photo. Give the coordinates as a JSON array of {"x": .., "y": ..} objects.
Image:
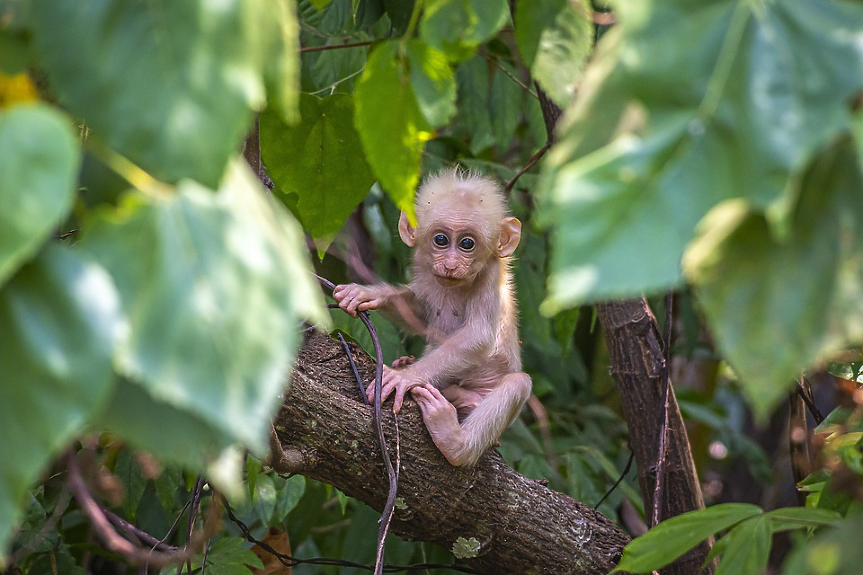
[{"x": 455, "y": 255}]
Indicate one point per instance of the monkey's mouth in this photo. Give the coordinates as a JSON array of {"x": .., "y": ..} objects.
[{"x": 446, "y": 281}]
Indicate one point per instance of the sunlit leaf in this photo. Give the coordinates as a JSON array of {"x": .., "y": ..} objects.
[
  {"x": 214, "y": 285},
  {"x": 803, "y": 296},
  {"x": 59, "y": 315},
  {"x": 391, "y": 126},
  {"x": 171, "y": 85},
  {"x": 554, "y": 37},
  {"x": 320, "y": 160},
  {"x": 661, "y": 134},
  {"x": 457, "y": 27},
  {"x": 39, "y": 159},
  {"x": 433, "y": 82}
]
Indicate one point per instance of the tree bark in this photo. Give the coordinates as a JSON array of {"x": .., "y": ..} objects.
[
  {"x": 493, "y": 519},
  {"x": 636, "y": 357}
]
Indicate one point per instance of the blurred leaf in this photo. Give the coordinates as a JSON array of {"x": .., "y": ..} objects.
[
  {"x": 391, "y": 125},
  {"x": 433, "y": 82},
  {"x": 202, "y": 278},
  {"x": 166, "y": 485},
  {"x": 399, "y": 12},
  {"x": 320, "y": 160},
  {"x": 835, "y": 551},
  {"x": 746, "y": 548},
  {"x": 674, "y": 537},
  {"x": 59, "y": 316},
  {"x": 457, "y": 27},
  {"x": 39, "y": 158},
  {"x": 171, "y": 85},
  {"x": 737, "y": 265},
  {"x": 554, "y": 37},
  {"x": 282, "y": 61},
  {"x": 653, "y": 143}
]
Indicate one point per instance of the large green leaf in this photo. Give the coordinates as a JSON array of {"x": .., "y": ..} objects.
[
  {"x": 746, "y": 548},
  {"x": 674, "y": 119},
  {"x": 213, "y": 285},
  {"x": 433, "y": 82},
  {"x": 474, "y": 111},
  {"x": 39, "y": 159},
  {"x": 282, "y": 64},
  {"x": 832, "y": 552},
  {"x": 171, "y": 85},
  {"x": 457, "y": 27},
  {"x": 320, "y": 161},
  {"x": 779, "y": 306},
  {"x": 59, "y": 316},
  {"x": 674, "y": 537},
  {"x": 391, "y": 125},
  {"x": 554, "y": 38}
]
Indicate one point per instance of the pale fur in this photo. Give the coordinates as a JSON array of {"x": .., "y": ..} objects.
[{"x": 471, "y": 327}]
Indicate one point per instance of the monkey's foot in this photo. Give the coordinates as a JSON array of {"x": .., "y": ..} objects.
[{"x": 441, "y": 420}]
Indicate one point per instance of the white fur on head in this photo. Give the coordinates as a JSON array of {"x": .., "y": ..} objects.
[{"x": 476, "y": 197}]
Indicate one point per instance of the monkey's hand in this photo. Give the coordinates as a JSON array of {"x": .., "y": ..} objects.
[
  {"x": 354, "y": 298},
  {"x": 398, "y": 380}
]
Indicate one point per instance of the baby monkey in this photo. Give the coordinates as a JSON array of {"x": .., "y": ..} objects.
[{"x": 468, "y": 383}]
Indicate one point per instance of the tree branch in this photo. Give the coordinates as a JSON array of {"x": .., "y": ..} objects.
[{"x": 500, "y": 521}]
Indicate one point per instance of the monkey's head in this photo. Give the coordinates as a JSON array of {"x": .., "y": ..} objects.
[{"x": 461, "y": 226}]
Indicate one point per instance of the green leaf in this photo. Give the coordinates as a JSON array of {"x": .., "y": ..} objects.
[
  {"x": 320, "y": 160},
  {"x": 213, "y": 285},
  {"x": 803, "y": 296},
  {"x": 433, "y": 82},
  {"x": 39, "y": 158},
  {"x": 473, "y": 103},
  {"x": 391, "y": 126},
  {"x": 229, "y": 556},
  {"x": 746, "y": 548},
  {"x": 457, "y": 27},
  {"x": 504, "y": 106},
  {"x": 555, "y": 38},
  {"x": 59, "y": 316},
  {"x": 799, "y": 517},
  {"x": 129, "y": 473},
  {"x": 834, "y": 551},
  {"x": 180, "y": 437},
  {"x": 674, "y": 537},
  {"x": 282, "y": 63},
  {"x": 653, "y": 143},
  {"x": 171, "y": 85},
  {"x": 289, "y": 493},
  {"x": 166, "y": 487}
]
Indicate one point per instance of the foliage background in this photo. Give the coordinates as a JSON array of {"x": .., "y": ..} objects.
[{"x": 152, "y": 294}]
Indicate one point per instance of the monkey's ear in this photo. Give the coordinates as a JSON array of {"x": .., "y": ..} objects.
[
  {"x": 510, "y": 234},
  {"x": 407, "y": 231}
]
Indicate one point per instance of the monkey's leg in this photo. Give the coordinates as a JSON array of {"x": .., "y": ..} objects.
[{"x": 464, "y": 444}]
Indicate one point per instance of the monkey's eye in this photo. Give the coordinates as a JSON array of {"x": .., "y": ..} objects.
[
  {"x": 441, "y": 241},
  {"x": 467, "y": 244}
]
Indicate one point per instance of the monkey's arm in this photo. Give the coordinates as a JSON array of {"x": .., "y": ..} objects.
[{"x": 397, "y": 301}]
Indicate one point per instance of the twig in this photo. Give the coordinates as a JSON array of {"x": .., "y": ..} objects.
[
  {"x": 357, "y": 377},
  {"x": 508, "y": 74},
  {"x": 619, "y": 479},
  {"x": 190, "y": 524},
  {"x": 142, "y": 536},
  {"x": 114, "y": 541},
  {"x": 334, "y": 46},
  {"x": 530, "y": 163},
  {"x": 663, "y": 431},
  {"x": 809, "y": 401},
  {"x": 389, "y": 507}
]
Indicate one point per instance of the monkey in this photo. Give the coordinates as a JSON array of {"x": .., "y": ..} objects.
[{"x": 468, "y": 383}]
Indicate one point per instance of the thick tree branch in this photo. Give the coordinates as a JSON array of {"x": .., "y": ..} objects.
[{"x": 514, "y": 524}]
